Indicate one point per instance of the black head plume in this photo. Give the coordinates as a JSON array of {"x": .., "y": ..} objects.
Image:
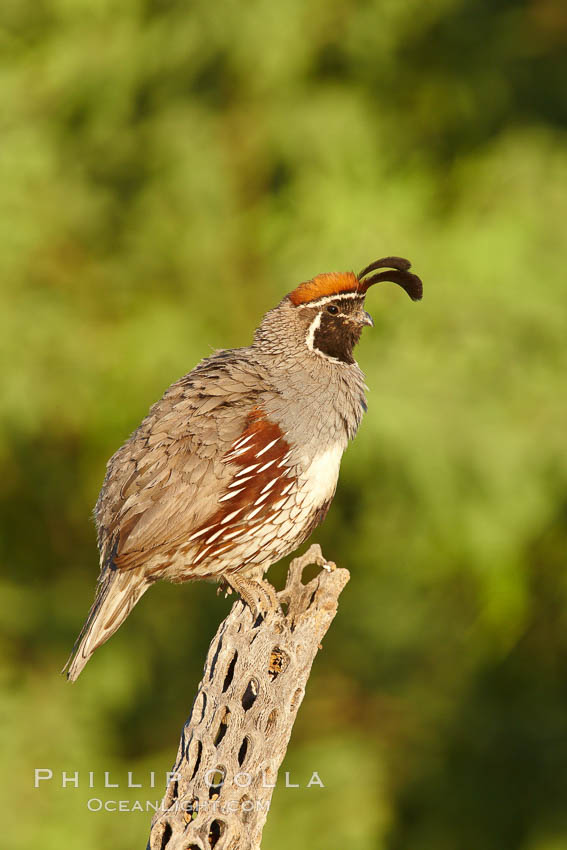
[{"x": 397, "y": 272}]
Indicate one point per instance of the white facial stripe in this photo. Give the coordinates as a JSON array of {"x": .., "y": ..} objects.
[
  {"x": 329, "y": 358},
  {"x": 326, "y": 299},
  {"x": 310, "y": 338}
]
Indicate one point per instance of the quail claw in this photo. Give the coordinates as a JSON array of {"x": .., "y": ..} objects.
[{"x": 224, "y": 587}]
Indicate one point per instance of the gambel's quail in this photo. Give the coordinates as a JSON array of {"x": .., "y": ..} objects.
[{"x": 238, "y": 462}]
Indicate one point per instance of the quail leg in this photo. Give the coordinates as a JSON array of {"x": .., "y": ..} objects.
[{"x": 259, "y": 595}]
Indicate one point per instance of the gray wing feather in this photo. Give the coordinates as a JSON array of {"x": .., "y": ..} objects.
[{"x": 167, "y": 478}]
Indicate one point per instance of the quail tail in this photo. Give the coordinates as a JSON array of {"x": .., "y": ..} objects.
[{"x": 117, "y": 594}]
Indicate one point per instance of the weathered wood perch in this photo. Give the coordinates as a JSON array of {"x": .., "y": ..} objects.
[{"x": 235, "y": 740}]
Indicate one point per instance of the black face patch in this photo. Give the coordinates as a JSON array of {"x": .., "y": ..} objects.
[{"x": 337, "y": 334}]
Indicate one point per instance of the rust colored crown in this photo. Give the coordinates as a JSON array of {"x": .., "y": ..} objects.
[{"x": 342, "y": 283}]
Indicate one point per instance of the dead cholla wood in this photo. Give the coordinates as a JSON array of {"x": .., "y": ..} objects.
[{"x": 237, "y": 736}]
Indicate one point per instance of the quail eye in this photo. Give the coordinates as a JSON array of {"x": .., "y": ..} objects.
[{"x": 332, "y": 309}]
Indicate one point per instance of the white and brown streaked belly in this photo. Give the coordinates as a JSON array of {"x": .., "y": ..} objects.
[{"x": 274, "y": 501}]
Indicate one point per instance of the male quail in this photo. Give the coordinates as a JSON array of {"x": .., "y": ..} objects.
[{"x": 238, "y": 462}]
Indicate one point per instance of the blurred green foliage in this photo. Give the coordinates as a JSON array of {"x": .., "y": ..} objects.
[{"x": 169, "y": 170}]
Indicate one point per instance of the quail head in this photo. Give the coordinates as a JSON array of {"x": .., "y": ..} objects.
[{"x": 238, "y": 462}]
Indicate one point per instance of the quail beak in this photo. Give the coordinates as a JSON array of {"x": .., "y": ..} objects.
[{"x": 363, "y": 318}]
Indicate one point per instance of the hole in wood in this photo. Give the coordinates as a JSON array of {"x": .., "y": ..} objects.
[
  {"x": 278, "y": 662},
  {"x": 271, "y": 721},
  {"x": 229, "y": 673},
  {"x": 250, "y": 694},
  {"x": 215, "y": 659},
  {"x": 217, "y": 779},
  {"x": 310, "y": 572},
  {"x": 166, "y": 835},
  {"x": 215, "y": 831},
  {"x": 296, "y": 699},
  {"x": 195, "y": 749},
  {"x": 223, "y": 726},
  {"x": 171, "y": 793},
  {"x": 191, "y": 810},
  {"x": 242, "y": 751},
  {"x": 246, "y": 806}
]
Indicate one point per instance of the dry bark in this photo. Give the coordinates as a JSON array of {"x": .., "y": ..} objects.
[{"x": 234, "y": 742}]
